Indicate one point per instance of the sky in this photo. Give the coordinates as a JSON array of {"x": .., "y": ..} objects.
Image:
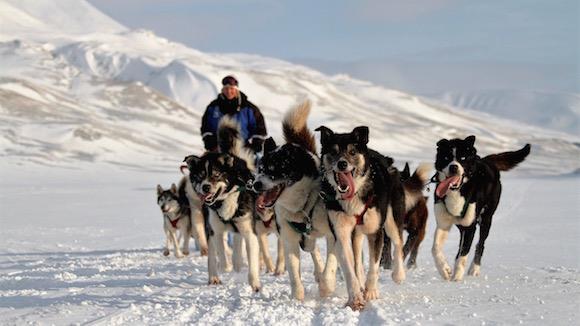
[{"x": 517, "y": 43}]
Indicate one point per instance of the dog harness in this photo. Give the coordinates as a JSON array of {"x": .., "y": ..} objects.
[
  {"x": 173, "y": 222},
  {"x": 305, "y": 228},
  {"x": 360, "y": 217}
]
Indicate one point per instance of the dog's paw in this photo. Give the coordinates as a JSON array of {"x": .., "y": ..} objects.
[
  {"x": 203, "y": 251},
  {"x": 298, "y": 293},
  {"x": 411, "y": 265},
  {"x": 185, "y": 252},
  {"x": 398, "y": 275},
  {"x": 474, "y": 270},
  {"x": 371, "y": 294},
  {"x": 255, "y": 288},
  {"x": 387, "y": 265},
  {"x": 166, "y": 252},
  {"x": 357, "y": 303},
  {"x": 325, "y": 290},
  {"x": 445, "y": 272},
  {"x": 178, "y": 254},
  {"x": 214, "y": 280},
  {"x": 279, "y": 272}
]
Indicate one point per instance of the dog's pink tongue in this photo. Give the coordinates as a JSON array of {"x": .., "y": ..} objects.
[
  {"x": 444, "y": 185},
  {"x": 345, "y": 179},
  {"x": 260, "y": 202}
]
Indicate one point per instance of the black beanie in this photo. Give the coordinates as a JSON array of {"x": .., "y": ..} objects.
[{"x": 230, "y": 80}]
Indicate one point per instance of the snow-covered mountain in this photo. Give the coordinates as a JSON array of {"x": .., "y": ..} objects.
[
  {"x": 553, "y": 110},
  {"x": 78, "y": 88}
]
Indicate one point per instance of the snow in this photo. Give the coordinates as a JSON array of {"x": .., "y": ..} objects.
[
  {"x": 93, "y": 116},
  {"x": 86, "y": 247}
]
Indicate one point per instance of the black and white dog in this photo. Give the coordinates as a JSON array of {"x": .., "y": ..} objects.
[
  {"x": 467, "y": 193},
  {"x": 220, "y": 179},
  {"x": 289, "y": 179},
  {"x": 363, "y": 194}
]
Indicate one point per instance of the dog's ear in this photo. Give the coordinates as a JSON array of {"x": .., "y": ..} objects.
[
  {"x": 361, "y": 135},
  {"x": 173, "y": 188},
  {"x": 191, "y": 161},
  {"x": 470, "y": 140},
  {"x": 269, "y": 145},
  {"x": 184, "y": 169},
  {"x": 406, "y": 173},
  {"x": 159, "y": 190},
  {"x": 325, "y": 134},
  {"x": 442, "y": 142}
]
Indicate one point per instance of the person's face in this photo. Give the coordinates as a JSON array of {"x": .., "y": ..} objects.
[{"x": 230, "y": 92}]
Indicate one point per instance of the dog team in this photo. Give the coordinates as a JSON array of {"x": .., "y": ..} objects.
[{"x": 345, "y": 194}]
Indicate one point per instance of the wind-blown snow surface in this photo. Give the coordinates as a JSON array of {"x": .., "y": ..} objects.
[
  {"x": 86, "y": 248},
  {"x": 93, "y": 116}
]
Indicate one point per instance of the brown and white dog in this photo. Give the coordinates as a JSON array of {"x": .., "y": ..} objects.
[
  {"x": 415, "y": 225},
  {"x": 363, "y": 194},
  {"x": 176, "y": 218}
]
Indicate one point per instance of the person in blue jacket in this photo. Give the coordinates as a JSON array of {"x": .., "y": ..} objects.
[{"x": 231, "y": 101}]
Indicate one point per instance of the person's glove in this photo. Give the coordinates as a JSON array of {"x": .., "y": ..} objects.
[{"x": 210, "y": 142}]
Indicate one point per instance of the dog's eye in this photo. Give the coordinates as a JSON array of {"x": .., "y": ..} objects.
[{"x": 352, "y": 152}]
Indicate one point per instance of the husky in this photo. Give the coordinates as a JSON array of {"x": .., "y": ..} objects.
[
  {"x": 198, "y": 228},
  {"x": 364, "y": 194},
  {"x": 289, "y": 179},
  {"x": 468, "y": 192},
  {"x": 176, "y": 217},
  {"x": 415, "y": 225},
  {"x": 264, "y": 225},
  {"x": 221, "y": 180}
]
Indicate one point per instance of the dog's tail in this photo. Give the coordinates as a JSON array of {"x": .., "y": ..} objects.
[
  {"x": 295, "y": 127},
  {"x": 414, "y": 185},
  {"x": 230, "y": 140},
  {"x": 508, "y": 160}
]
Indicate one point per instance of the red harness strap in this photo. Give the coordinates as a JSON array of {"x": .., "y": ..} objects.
[
  {"x": 268, "y": 222},
  {"x": 359, "y": 217},
  {"x": 174, "y": 222}
]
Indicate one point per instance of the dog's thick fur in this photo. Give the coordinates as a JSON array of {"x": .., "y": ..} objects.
[
  {"x": 467, "y": 194},
  {"x": 221, "y": 179},
  {"x": 176, "y": 218},
  {"x": 289, "y": 178},
  {"x": 358, "y": 181},
  {"x": 415, "y": 225}
]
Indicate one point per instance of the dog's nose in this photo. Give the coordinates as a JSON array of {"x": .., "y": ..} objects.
[
  {"x": 257, "y": 186},
  {"x": 453, "y": 168},
  {"x": 206, "y": 188},
  {"x": 342, "y": 165}
]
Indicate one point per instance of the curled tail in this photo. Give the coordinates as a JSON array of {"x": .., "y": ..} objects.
[
  {"x": 414, "y": 185},
  {"x": 508, "y": 160},
  {"x": 295, "y": 128},
  {"x": 230, "y": 140}
]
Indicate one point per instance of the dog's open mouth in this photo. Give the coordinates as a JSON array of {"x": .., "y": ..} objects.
[
  {"x": 210, "y": 198},
  {"x": 450, "y": 183},
  {"x": 345, "y": 183},
  {"x": 267, "y": 199}
]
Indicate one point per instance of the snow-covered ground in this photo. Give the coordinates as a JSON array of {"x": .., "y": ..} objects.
[
  {"x": 93, "y": 116},
  {"x": 86, "y": 248}
]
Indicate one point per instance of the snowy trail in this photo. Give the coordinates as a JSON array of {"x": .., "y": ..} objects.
[{"x": 67, "y": 257}]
